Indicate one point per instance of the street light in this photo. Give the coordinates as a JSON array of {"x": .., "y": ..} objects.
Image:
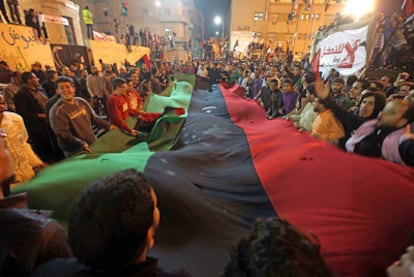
[
  {"x": 364, "y": 7},
  {"x": 158, "y": 4},
  {"x": 219, "y": 21}
]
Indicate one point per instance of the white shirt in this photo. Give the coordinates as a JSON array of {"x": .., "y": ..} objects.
[{"x": 22, "y": 155}]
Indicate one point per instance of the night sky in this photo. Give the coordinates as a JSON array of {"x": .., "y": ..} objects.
[{"x": 212, "y": 8}]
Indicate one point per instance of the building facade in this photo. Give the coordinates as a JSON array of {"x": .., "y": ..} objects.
[
  {"x": 269, "y": 22},
  {"x": 60, "y": 18},
  {"x": 163, "y": 18}
]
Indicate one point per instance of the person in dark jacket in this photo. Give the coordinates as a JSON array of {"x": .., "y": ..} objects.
[
  {"x": 371, "y": 104},
  {"x": 112, "y": 237},
  {"x": 50, "y": 84},
  {"x": 30, "y": 102}
]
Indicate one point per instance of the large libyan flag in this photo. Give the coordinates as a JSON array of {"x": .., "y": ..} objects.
[{"x": 229, "y": 165}]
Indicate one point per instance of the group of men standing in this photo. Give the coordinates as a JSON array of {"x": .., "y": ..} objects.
[{"x": 62, "y": 115}]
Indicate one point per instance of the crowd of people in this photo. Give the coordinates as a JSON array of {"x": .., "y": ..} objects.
[
  {"x": 340, "y": 110},
  {"x": 47, "y": 115},
  {"x": 371, "y": 117}
]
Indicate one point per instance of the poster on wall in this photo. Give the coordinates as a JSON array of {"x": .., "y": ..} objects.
[{"x": 20, "y": 47}]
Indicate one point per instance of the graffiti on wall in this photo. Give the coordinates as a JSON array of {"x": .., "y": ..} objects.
[{"x": 20, "y": 47}]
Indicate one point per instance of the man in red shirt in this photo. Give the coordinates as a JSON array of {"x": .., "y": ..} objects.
[{"x": 117, "y": 106}]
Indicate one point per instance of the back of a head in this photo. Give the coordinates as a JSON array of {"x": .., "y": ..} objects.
[
  {"x": 310, "y": 77},
  {"x": 311, "y": 89},
  {"x": 50, "y": 74},
  {"x": 276, "y": 248},
  {"x": 26, "y": 76},
  {"x": 118, "y": 82},
  {"x": 351, "y": 80},
  {"x": 365, "y": 83},
  {"x": 108, "y": 222}
]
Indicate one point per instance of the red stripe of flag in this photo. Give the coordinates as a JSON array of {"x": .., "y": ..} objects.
[{"x": 356, "y": 206}]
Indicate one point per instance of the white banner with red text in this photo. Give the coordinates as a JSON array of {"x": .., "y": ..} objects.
[{"x": 344, "y": 51}]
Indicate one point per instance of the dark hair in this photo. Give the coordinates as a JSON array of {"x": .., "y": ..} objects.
[
  {"x": 15, "y": 73},
  {"x": 26, "y": 76},
  {"x": 351, "y": 80},
  {"x": 309, "y": 77},
  {"x": 391, "y": 79},
  {"x": 311, "y": 89},
  {"x": 64, "y": 79},
  {"x": 373, "y": 89},
  {"x": 109, "y": 221},
  {"x": 50, "y": 73},
  {"x": 365, "y": 83},
  {"x": 276, "y": 248},
  {"x": 287, "y": 81},
  {"x": 274, "y": 81},
  {"x": 147, "y": 75},
  {"x": 145, "y": 81},
  {"x": 339, "y": 81},
  {"x": 117, "y": 82},
  {"x": 380, "y": 101}
]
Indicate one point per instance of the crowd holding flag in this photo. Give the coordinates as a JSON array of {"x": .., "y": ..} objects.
[{"x": 143, "y": 60}]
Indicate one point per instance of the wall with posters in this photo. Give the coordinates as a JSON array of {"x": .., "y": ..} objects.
[{"x": 20, "y": 47}]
